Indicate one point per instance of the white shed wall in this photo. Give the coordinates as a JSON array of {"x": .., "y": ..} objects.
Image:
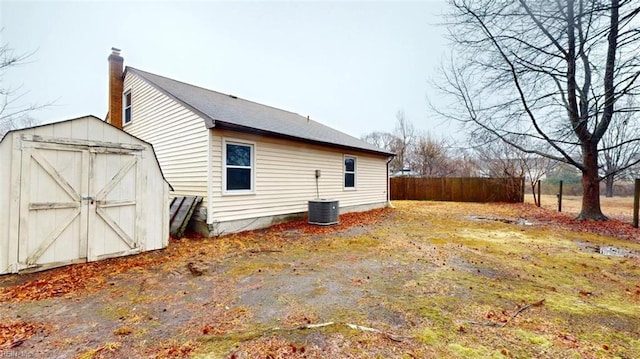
[
  {"x": 5, "y": 196},
  {"x": 154, "y": 216},
  {"x": 285, "y": 178},
  {"x": 179, "y": 136}
]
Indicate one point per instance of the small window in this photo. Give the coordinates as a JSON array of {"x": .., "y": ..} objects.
[
  {"x": 127, "y": 107},
  {"x": 238, "y": 167},
  {"x": 349, "y": 172}
]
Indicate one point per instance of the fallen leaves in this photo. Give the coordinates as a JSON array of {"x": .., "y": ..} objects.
[
  {"x": 123, "y": 331},
  {"x": 224, "y": 321},
  {"x": 502, "y": 318},
  {"x": 86, "y": 278},
  {"x": 347, "y": 220},
  {"x": 174, "y": 349},
  {"x": 101, "y": 351},
  {"x": 612, "y": 227},
  {"x": 13, "y": 334},
  {"x": 568, "y": 340}
]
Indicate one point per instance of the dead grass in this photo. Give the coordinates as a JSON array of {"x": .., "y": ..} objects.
[
  {"x": 620, "y": 208},
  {"x": 449, "y": 280}
]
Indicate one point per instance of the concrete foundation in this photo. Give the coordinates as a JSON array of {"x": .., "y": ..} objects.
[{"x": 199, "y": 224}]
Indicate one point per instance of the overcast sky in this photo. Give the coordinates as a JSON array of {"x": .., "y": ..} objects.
[{"x": 349, "y": 65}]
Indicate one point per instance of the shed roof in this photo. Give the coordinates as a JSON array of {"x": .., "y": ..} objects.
[
  {"x": 230, "y": 112},
  {"x": 98, "y": 122}
]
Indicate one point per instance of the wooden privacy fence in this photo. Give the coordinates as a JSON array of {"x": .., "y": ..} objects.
[{"x": 472, "y": 189}]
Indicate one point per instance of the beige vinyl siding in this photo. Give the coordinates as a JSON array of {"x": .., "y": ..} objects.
[
  {"x": 285, "y": 178},
  {"x": 178, "y": 136}
]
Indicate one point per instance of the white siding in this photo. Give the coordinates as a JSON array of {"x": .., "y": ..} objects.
[
  {"x": 178, "y": 136},
  {"x": 285, "y": 178},
  {"x": 5, "y": 197}
]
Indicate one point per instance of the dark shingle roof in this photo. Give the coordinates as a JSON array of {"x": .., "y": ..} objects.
[{"x": 226, "y": 111}]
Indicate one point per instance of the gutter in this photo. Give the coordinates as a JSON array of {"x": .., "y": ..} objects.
[{"x": 389, "y": 204}]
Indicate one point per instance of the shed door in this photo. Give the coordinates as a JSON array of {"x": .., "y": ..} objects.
[
  {"x": 53, "y": 217},
  {"x": 77, "y": 204},
  {"x": 113, "y": 215}
]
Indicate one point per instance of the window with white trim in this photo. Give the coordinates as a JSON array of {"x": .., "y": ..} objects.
[
  {"x": 126, "y": 108},
  {"x": 238, "y": 167},
  {"x": 349, "y": 172}
]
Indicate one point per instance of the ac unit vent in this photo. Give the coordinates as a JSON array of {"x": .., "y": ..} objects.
[{"x": 323, "y": 212}]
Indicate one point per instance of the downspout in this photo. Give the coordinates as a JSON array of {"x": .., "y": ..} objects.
[{"x": 389, "y": 204}]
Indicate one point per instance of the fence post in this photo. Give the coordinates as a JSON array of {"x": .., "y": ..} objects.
[
  {"x": 560, "y": 198},
  {"x": 636, "y": 202},
  {"x": 539, "y": 199}
]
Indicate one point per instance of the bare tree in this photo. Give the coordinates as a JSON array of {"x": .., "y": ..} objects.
[
  {"x": 430, "y": 157},
  {"x": 398, "y": 142},
  {"x": 496, "y": 158},
  {"x": 13, "y": 114},
  {"x": 463, "y": 164},
  {"x": 535, "y": 169},
  {"x": 500, "y": 159},
  {"x": 620, "y": 147},
  {"x": 404, "y": 132},
  {"x": 387, "y": 141},
  {"x": 384, "y": 140},
  {"x": 552, "y": 71}
]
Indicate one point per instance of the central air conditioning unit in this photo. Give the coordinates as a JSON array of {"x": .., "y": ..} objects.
[{"x": 323, "y": 212}]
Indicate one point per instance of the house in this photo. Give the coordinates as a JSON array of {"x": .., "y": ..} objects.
[
  {"x": 405, "y": 172},
  {"x": 255, "y": 165},
  {"x": 78, "y": 190}
]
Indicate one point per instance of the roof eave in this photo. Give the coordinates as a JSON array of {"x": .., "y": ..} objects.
[{"x": 254, "y": 131}]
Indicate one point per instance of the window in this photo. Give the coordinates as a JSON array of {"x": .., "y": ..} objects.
[
  {"x": 126, "y": 118},
  {"x": 349, "y": 172},
  {"x": 238, "y": 167}
]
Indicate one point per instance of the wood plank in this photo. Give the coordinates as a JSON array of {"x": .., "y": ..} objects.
[
  {"x": 188, "y": 216},
  {"x": 118, "y": 254},
  {"x": 108, "y": 204},
  {"x": 86, "y": 178},
  {"x": 91, "y": 208},
  {"x": 79, "y": 142},
  {"x": 180, "y": 215},
  {"x": 23, "y": 226},
  {"x": 57, "y": 177},
  {"x": 14, "y": 213},
  {"x": 116, "y": 179},
  {"x": 51, "y": 237},
  {"x": 183, "y": 215},
  {"x": 52, "y": 205},
  {"x": 45, "y": 266},
  {"x": 140, "y": 224},
  {"x": 176, "y": 202},
  {"x": 116, "y": 228}
]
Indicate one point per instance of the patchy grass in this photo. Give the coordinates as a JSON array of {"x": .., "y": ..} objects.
[{"x": 425, "y": 280}]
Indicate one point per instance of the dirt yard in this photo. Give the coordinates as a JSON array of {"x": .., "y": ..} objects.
[{"x": 423, "y": 280}]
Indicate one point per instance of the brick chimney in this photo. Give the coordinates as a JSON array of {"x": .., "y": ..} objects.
[{"x": 116, "y": 85}]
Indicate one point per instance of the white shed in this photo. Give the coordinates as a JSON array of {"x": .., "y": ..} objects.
[{"x": 76, "y": 191}]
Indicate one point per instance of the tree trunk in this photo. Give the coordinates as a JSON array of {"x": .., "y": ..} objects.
[
  {"x": 590, "y": 186},
  {"x": 608, "y": 182}
]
